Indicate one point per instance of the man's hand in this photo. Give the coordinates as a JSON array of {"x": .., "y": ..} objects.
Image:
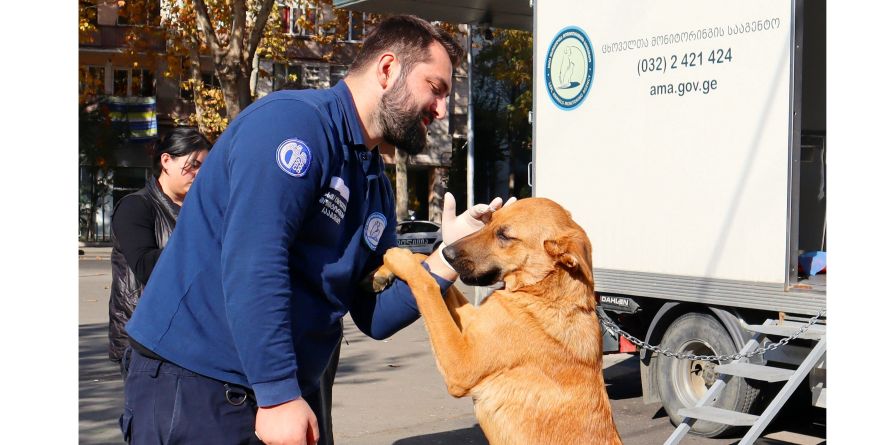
[
  {"x": 290, "y": 423},
  {"x": 470, "y": 221}
]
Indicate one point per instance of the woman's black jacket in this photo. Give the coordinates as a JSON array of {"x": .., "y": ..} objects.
[{"x": 140, "y": 228}]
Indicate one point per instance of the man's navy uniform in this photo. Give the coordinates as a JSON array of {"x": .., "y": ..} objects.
[{"x": 289, "y": 212}]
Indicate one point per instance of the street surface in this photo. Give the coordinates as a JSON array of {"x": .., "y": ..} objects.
[{"x": 388, "y": 392}]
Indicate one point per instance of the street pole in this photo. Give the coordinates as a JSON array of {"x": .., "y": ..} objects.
[{"x": 470, "y": 160}]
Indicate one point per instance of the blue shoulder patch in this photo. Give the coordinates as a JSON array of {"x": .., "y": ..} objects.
[
  {"x": 373, "y": 229},
  {"x": 294, "y": 157}
]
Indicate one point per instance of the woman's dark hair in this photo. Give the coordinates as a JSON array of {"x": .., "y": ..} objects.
[
  {"x": 408, "y": 37},
  {"x": 180, "y": 141}
]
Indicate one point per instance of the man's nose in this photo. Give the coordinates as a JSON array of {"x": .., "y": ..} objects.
[{"x": 439, "y": 108}]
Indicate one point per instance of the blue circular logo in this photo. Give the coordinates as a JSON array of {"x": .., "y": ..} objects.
[
  {"x": 294, "y": 157},
  {"x": 569, "y": 68},
  {"x": 373, "y": 229}
]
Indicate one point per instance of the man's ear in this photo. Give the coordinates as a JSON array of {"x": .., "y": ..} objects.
[
  {"x": 573, "y": 252},
  {"x": 387, "y": 69}
]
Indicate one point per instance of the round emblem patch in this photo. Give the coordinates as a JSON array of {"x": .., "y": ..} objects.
[
  {"x": 569, "y": 68},
  {"x": 374, "y": 227},
  {"x": 294, "y": 157}
]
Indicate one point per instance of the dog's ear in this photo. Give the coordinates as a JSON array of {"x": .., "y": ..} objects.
[{"x": 573, "y": 252}]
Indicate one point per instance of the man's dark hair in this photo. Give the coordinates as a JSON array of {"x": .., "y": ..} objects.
[
  {"x": 408, "y": 37},
  {"x": 179, "y": 141}
]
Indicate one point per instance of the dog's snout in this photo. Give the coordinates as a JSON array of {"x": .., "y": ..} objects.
[{"x": 449, "y": 253}]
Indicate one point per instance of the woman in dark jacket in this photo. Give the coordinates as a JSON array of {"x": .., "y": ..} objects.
[{"x": 141, "y": 226}]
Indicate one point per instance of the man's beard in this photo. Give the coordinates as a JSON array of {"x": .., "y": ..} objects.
[{"x": 401, "y": 124}]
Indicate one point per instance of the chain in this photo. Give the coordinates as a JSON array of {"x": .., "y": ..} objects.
[{"x": 615, "y": 330}]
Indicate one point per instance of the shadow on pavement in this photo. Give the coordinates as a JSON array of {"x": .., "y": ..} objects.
[
  {"x": 621, "y": 379},
  {"x": 465, "y": 436},
  {"x": 101, "y": 388}
]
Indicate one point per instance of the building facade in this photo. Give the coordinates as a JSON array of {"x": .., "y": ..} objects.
[{"x": 149, "y": 103}]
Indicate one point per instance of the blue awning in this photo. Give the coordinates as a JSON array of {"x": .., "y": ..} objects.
[{"x": 514, "y": 14}]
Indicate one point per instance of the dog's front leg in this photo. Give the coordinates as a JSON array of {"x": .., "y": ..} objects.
[{"x": 455, "y": 356}]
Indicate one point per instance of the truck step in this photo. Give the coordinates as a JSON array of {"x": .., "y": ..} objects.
[
  {"x": 789, "y": 328},
  {"x": 718, "y": 415},
  {"x": 756, "y": 372}
]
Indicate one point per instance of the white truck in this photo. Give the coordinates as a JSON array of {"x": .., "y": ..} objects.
[{"x": 687, "y": 137}]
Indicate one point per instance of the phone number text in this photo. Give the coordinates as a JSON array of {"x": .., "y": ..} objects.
[{"x": 663, "y": 64}]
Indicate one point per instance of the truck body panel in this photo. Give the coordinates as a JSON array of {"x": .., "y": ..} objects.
[{"x": 692, "y": 185}]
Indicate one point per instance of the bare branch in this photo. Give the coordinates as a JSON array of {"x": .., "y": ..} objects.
[
  {"x": 208, "y": 30},
  {"x": 258, "y": 28},
  {"x": 238, "y": 27}
]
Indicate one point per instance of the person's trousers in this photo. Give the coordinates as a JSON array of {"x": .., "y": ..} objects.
[
  {"x": 167, "y": 404},
  {"x": 320, "y": 401}
]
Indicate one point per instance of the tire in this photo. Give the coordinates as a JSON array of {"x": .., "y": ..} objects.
[{"x": 681, "y": 383}]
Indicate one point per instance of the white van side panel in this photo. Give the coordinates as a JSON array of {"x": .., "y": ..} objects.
[{"x": 692, "y": 184}]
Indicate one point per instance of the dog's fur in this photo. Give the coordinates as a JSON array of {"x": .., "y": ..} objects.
[{"x": 530, "y": 354}]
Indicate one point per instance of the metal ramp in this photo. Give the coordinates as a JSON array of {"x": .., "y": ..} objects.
[{"x": 741, "y": 368}]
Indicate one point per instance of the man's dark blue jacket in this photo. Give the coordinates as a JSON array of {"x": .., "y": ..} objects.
[{"x": 288, "y": 213}]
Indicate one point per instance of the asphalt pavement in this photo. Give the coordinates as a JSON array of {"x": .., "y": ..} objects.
[{"x": 386, "y": 392}]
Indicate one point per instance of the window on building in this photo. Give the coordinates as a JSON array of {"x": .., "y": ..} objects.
[
  {"x": 287, "y": 77},
  {"x": 133, "y": 82},
  {"x": 294, "y": 11},
  {"x": 142, "y": 84},
  {"x": 300, "y": 77},
  {"x": 121, "y": 82},
  {"x": 139, "y": 13},
  {"x": 336, "y": 73},
  {"x": 208, "y": 79},
  {"x": 285, "y": 16},
  {"x": 355, "y": 26},
  {"x": 92, "y": 80},
  {"x": 312, "y": 76}
]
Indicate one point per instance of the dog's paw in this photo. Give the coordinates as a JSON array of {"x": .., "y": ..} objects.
[
  {"x": 382, "y": 278},
  {"x": 378, "y": 280},
  {"x": 401, "y": 262}
]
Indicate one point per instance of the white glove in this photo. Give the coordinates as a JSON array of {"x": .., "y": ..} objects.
[{"x": 470, "y": 221}]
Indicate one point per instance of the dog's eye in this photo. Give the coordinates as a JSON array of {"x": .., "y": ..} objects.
[{"x": 501, "y": 234}]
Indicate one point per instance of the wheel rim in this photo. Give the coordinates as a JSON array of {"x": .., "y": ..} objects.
[{"x": 693, "y": 377}]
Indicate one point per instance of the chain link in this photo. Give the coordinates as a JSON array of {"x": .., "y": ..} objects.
[{"x": 615, "y": 330}]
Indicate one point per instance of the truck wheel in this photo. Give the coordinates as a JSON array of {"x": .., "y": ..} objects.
[{"x": 682, "y": 383}]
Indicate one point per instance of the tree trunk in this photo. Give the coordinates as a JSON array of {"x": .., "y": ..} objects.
[
  {"x": 236, "y": 92},
  {"x": 402, "y": 186},
  {"x": 233, "y": 62},
  {"x": 194, "y": 75}
]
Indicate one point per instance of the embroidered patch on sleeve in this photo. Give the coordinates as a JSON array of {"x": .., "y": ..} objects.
[
  {"x": 373, "y": 229},
  {"x": 294, "y": 157}
]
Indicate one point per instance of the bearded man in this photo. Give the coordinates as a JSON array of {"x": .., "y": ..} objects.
[{"x": 292, "y": 209}]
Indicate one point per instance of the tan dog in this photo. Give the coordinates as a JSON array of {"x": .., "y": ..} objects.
[{"x": 530, "y": 354}]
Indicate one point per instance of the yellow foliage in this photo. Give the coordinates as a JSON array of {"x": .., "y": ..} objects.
[
  {"x": 210, "y": 118},
  {"x": 176, "y": 24}
]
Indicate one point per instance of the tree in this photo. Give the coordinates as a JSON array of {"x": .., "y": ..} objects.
[
  {"x": 233, "y": 34},
  {"x": 228, "y": 31},
  {"x": 502, "y": 100},
  {"x": 232, "y": 43}
]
